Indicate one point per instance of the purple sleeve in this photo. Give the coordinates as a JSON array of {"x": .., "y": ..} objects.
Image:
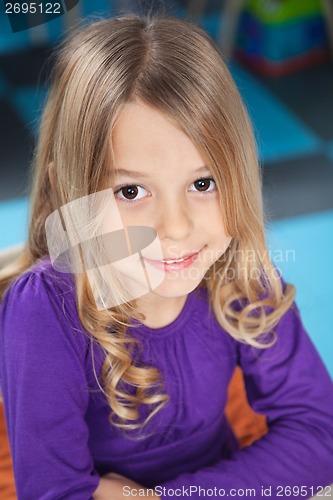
[
  {"x": 45, "y": 392},
  {"x": 290, "y": 385}
]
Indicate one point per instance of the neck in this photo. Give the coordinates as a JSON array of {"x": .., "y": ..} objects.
[{"x": 160, "y": 311}]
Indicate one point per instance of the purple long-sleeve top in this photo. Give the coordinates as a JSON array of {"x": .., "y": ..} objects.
[{"x": 57, "y": 417}]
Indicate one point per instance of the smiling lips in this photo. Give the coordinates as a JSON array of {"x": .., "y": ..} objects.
[{"x": 173, "y": 264}]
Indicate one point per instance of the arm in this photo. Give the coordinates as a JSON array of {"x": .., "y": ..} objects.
[
  {"x": 45, "y": 393},
  {"x": 290, "y": 385}
]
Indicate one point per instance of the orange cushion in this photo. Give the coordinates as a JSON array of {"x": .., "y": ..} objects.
[
  {"x": 7, "y": 485},
  {"x": 247, "y": 425}
]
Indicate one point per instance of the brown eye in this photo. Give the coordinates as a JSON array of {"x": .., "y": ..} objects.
[
  {"x": 130, "y": 192},
  {"x": 204, "y": 184}
]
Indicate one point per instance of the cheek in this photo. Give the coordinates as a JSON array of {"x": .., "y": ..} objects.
[
  {"x": 131, "y": 216},
  {"x": 216, "y": 221},
  {"x": 220, "y": 245},
  {"x": 218, "y": 234}
]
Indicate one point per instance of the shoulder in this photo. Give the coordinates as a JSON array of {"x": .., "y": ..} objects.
[
  {"x": 285, "y": 348},
  {"x": 38, "y": 282},
  {"x": 40, "y": 305},
  {"x": 40, "y": 288}
]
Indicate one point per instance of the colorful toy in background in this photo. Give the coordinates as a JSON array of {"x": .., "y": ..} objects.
[{"x": 276, "y": 37}]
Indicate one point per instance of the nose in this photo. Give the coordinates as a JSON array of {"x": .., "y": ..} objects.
[{"x": 174, "y": 220}]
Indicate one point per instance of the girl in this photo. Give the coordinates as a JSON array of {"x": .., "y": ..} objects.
[{"x": 107, "y": 397}]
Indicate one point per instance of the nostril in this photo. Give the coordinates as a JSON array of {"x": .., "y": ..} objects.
[{"x": 174, "y": 224}]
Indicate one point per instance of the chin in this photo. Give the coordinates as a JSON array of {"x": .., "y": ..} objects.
[{"x": 176, "y": 288}]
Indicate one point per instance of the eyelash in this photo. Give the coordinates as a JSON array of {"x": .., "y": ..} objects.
[{"x": 119, "y": 189}]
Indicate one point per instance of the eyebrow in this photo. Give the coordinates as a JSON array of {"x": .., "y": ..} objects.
[{"x": 122, "y": 172}]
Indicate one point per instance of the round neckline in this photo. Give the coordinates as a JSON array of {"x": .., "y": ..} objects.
[{"x": 172, "y": 327}]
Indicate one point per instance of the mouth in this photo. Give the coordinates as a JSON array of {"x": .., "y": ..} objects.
[{"x": 174, "y": 264}]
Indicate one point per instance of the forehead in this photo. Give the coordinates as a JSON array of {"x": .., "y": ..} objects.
[{"x": 143, "y": 136}]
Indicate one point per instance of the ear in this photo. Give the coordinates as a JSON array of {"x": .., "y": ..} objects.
[{"x": 51, "y": 170}]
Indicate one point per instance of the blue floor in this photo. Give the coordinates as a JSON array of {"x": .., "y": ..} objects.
[
  {"x": 13, "y": 217},
  {"x": 301, "y": 247}
]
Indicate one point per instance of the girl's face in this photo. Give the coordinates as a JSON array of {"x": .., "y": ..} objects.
[{"x": 162, "y": 182}]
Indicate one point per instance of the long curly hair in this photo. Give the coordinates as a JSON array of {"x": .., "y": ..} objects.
[{"x": 175, "y": 67}]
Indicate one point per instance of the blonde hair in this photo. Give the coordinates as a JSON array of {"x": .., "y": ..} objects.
[{"x": 175, "y": 67}]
